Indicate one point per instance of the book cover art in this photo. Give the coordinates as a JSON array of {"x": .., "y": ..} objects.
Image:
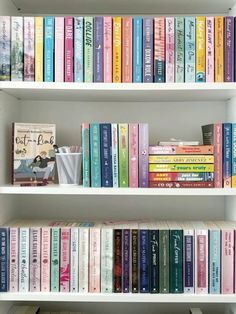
[
  {"x": 179, "y": 49},
  {"x": 14, "y": 260},
  {"x": 29, "y": 48},
  {"x": 227, "y": 155},
  {"x": 48, "y": 49},
  {"x": 24, "y": 260},
  {"x": 219, "y": 49},
  {"x": 17, "y": 51},
  {"x": 159, "y": 49},
  {"x": 74, "y": 260},
  {"x": 148, "y": 50},
  {"x": 106, "y": 260},
  {"x": 88, "y": 49},
  {"x": 35, "y": 252},
  {"x": 143, "y": 154},
  {"x": 133, "y": 155},
  {"x": 59, "y": 48},
  {"x": 98, "y": 49},
  {"x": 117, "y": 33},
  {"x": 94, "y": 260},
  {"x": 78, "y": 49},
  {"x": 5, "y": 48},
  {"x": 123, "y": 155},
  {"x": 126, "y": 261},
  {"x": 106, "y": 154},
  {"x": 134, "y": 261},
  {"x": 190, "y": 56},
  {"x": 86, "y": 154},
  {"x": 4, "y": 259},
  {"x": 127, "y": 42},
  {"x": 228, "y": 48},
  {"x": 117, "y": 261},
  {"x": 210, "y": 49},
  {"x": 107, "y": 49},
  {"x": 45, "y": 259},
  {"x": 95, "y": 158},
  {"x": 200, "y": 49},
  {"x": 69, "y": 48},
  {"x": 55, "y": 259},
  {"x": 65, "y": 260},
  {"x": 83, "y": 260},
  {"x": 115, "y": 159},
  {"x": 154, "y": 260},
  {"x": 39, "y": 34},
  {"x": 170, "y": 49},
  {"x": 137, "y": 49}
]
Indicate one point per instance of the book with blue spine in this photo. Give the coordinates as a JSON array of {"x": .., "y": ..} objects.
[
  {"x": 95, "y": 159},
  {"x": 227, "y": 154},
  {"x": 85, "y": 153},
  {"x": 233, "y": 155},
  {"x": 190, "y": 49},
  {"x": 115, "y": 162},
  {"x": 4, "y": 259},
  {"x": 48, "y": 49},
  {"x": 137, "y": 49},
  {"x": 98, "y": 49},
  {"x": 144, "y": 286},
  {"x": 106, "y": 155},
  {"x": 78, "y": 49}
]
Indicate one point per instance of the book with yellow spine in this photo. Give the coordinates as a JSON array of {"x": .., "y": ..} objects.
[
  {"x": 219, "y": 49},
  {"x": 200, "y": 49},
  {"x": 39, "y": 49},
  {"x": 116, "y": 49},
  {"x": 181, "y": 167},
  {"x": 182, "y": 159}
]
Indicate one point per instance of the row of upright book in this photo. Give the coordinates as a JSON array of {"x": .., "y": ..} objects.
[
  {"x": 117, "y": 49},
  {"x": 118, "y": 257}
]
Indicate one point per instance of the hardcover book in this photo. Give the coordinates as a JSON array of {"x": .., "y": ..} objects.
[
  {"x": 29, "y": 48},
  {"x": 219, "y": 49},
  {"x": 137, "y": 49},
  {"x": 170, "y": 49},
  {"x": 48, "y": 49},
  {"x": 127, "y": 43},
  {"x": 210, "y": 49},
  {"x": 159, "y": 49},
  {"x": 148, "y": 50},
  {"x": 78, "y": 49},
  {"x": 39, "y": 34},
  {"x": 117, "y": 50},
  {"x": 200, "y": 49},
  {"x": 69, "y": 49},
  {"x": 123, "y": 155},
  {"x": 17, "y": 53},
  {"x": 88, "y": 49},
  {"x": 228, "y": 48},
  {"x": 107, "y": 49},
  {"x": 190, "y": 49},
  {"x": 179, "y": 49},
  {"x": 98, "y": 49},
  {"x": 59, "y": 48},
  {"x": 5, "y": 48}
]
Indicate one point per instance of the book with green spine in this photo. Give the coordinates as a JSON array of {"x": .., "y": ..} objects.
[
  {"x": 164, "y": 284},
  {"x": 95, "y": 158},
  {"x": 88, "y": 49},
  {"x": 55, "y": 259},
  {"x": 179, "y": 49},
  {"x": 123, "y": 155}
]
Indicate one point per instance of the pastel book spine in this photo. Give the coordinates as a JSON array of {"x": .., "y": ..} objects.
[
  {"x": 210, "y": 49},
  {"x": 127, "y": 42},
  {"x": 17, "y": 50},
  {"x": 182, "y": 150},
  {"x": 143, "y": 155},
  {"x": 190, "y": 49},
  {"x": 176, "y": 261},
  {"x": 192, "y": 184},
  {"x": 98, "y": 49},
  {"x": 179, "y": 177},
  {"x": 106, "y": 260},
  {"x": 159, "y": 49},
  {"x": 148, "y": 71},
  {"x": 227, "y": 155},
  {"x": 88, "y": 49},
  {"x": 14, "y": 260},
  {"x": 45, "y": 259},
  {"x": 94, "y": 260},
  {"x": 106, "y": 154},
  {"x": 59, "y": 48},
  {"x": 83, "y": 260},
  {"x": 117, "y": 58},
  {"x": 69, "y": 41},
  {"x": 48, "y": 49},
  {"x": 201, "y": 265},
  {"x": 233, "y": 155},
  {"x": 137, "y": 49},
  {"x": 126, "y": 261},
  {"x": 188, "y": 260},
  {"x": 154, "y": 260},
  {"x": 74, "y": 260},
  {"x": 214, "y": 261},
  {"x": 181, "y": 168},
  {"x": 164, "y": 255},
  {"x": 115, "y": 160},
  {"x": 65, "y": 260},
  {"x": 24, "y": 260},
  {"x": 5, "y": 48},
  {"x": 144, "y": 267},
  {"x": 219, "y": 49},
  {"x": 55, "y": 259},
  {"x": 179, "y": 49},
  {"x": 28, "y": 48},
  {"x": 135, "y": 260},
  {"x": 200, "y": 49},
  {"x": 117, "y": 267},
  {"x": 133, "y": 155},
  {"x": 4, "y": 259},
  {"x": 228, "y": 48},
  {"x": 86, "y": 154},
  {"x": 182, "y": 159},
  {"x": 170, "y": 49},
  {"x": 35, "y": 267},
  {"x": 227, "y": 261},
  {"x": 39, "y": 49},
  {"x": 95, "y": 158},
  {"x": 78, "y": 49},
  {"x": 107, "y": 49},
  {"x": 123, "y": 155}
]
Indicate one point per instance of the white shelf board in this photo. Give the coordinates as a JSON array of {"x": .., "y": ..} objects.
[
  {"x": 79, "y": 190},
  {"x": 123, "y": 6},
  {"x": 144, "y": 92}
]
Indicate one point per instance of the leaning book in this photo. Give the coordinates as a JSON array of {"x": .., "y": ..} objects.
[{"x": 33, "y": 154}]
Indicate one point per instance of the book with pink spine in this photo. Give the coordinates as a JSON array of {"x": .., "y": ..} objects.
[
  {"x": 170, "y": 49},
  {"x": 133, "y": 155},
  {"x": 45, "y": 259},
  {"x": 210, "y": 49},
  {"x": 59, "y": 48},
  {"x": 28, "y": 48},
  {"x": 127, "y": 49},
  {"x": 65, "y": 260},
  {"x": 69, "y": 37},
  {"x": 94, "y": 259},
  {"x": 14, "y": 260},
  {"x": 107, "y": 50},
  {"x": 35, "y": 251}
]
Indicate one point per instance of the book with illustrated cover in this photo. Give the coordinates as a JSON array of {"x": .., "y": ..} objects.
[
  {"x": 17, "y": 52},
  {"x": 5, "y": 48},
  {"x": 28, "y": 48}
]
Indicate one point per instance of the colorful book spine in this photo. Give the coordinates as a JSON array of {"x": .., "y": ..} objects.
[
  {"x": 107, "y": 48},
  {"x": 78, "y": 49},
  {"x": 228, "y": 48},
  {"x": 148, "y": 50},
  {"x": 35, "y": 251},
  {"x": 117, "y": 266},
  {"x": 214, "y": 261},
  {"x": 83, "y": 259},
  {"x": 179, "y": 49},
  {"x": 233, "y": 155},
  {"x": 123, "y": 153},
  {"x": 74, "y": 260},
  {"x": 219, "y": 49},
  {"x": 227, "y": 155},
  {"x": 69, "y": 42},
  {"x": 200, "y": 49},
  {"x": 59, "y": 48},
  {"x": 170, "y": 49},
  {"x": 29, "y": 48},
  {"x": 4, "y": 259},
  {"x": 188, "y": 247},
  {"x": 55, "y": 259},
  {"x": 39, "y": 48},
  {"x": 201, "y": 257},
  {"x": 181, "y": 167},
  {"x": 164, "y": 255},
  {"x": 154, "y": 260},
  {"x": 133, "y": 155},
  {"x": 45, "y": 259},
  {"x": 185, "y": 150},
  {"x": 49, "y": 49},
  {"x": 144, "y": 267},
  {"x": 106, "y": 154},
  {"x": 116, "y": 50},
  {"x": 115, "y": 160},
  {"x": 159, "y": 49},
  {"x": 127, "y": 42},
  {"x": 210, "y": 49},
  {"x": 106, "y": 260},
  {"x": 94, "y": 260},
  {"x": 135, "y": 261},
  {"x": 137, "y": 49},
  {"x": 88, "y": 49},
  {"x": 5, "y": 48},
  {"x": 65, "y": 260},
  {"x": 234, "y": 50},
  {"x": 24, "y": 260},
  {"x": 86, "y": 154},
  {"x": 181, "y": 177},
  {"x": 17, "y": 50},
  {"x": 126, "y": 261},
  {"x": 182, "y": 159},
  {"x": 186, "y": 185},
  {"x": 176, "y": 261},
  {"x": 227, "y": 261},
  {"x": 14, "y": 260},
  {"x": 98, "y": 49},
  {"x": 95, "y": 158},
  {"x": 190, "y": 49},
  {"x": 143, "y": 155}
]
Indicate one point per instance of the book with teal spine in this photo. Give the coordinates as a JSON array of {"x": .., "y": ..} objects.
[
  {"x": 95, "y": 158},
  {"x": 88, "y": 49},
  {"x": 85, "y": 155},
  {"x": 48, "y": 49},
  {"x": 55, "y": 259}
]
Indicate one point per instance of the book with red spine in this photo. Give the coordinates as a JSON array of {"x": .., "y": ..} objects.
[{"x": 65, "y": 260}]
